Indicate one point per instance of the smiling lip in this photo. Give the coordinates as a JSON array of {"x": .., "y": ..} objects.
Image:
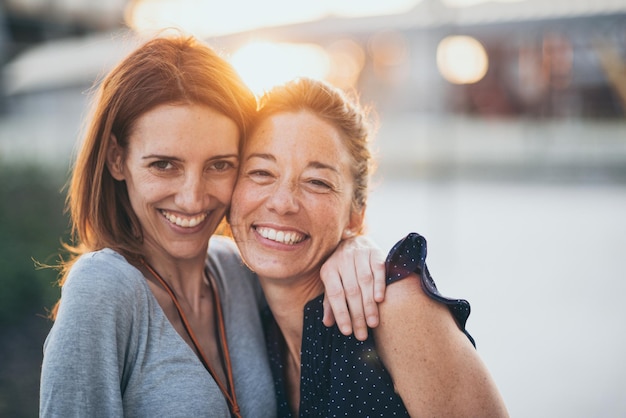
[
  {"x": 283, "y": 237},
  {"x": 184, "y": 221}
]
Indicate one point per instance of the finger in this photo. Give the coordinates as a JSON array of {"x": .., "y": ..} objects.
[
  {"x": 377, "y": 264},
  {"x": 328, "y": 319},
  {"x": 337, "y": 301},
  {"x": 354, "y": 297},
  {"x": 366, "y": 281}
]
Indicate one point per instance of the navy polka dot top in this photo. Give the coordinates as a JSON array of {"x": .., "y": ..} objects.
[{"x": 342, "y": 376}]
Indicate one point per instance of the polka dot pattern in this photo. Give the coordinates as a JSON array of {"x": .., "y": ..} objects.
[{"x": 342, "y": 376}]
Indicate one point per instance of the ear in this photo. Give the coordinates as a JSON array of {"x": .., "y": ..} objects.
[
  {"x": 115, "y": 159},
  {"x": 356, "y": 223}
]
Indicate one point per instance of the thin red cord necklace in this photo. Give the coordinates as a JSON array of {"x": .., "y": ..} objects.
[{"x": 229, "y": 393}]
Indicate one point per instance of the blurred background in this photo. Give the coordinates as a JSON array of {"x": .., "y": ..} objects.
[{"x": 501, "y": 138}]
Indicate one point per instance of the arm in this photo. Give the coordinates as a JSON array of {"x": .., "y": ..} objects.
[
  {"x": 434, "y": 366},
  {"x": 81, "y": 370},
  {"x": 354, "y": 282}
]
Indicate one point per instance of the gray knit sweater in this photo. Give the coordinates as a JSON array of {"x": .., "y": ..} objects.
[{"x": 113, "y": 353}]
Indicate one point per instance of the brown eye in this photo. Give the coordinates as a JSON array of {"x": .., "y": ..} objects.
[
  {"x": 161, "y": 165},
  {"x": 259, "y": 173},
  {"x": 222, "y": 165},
  {"x": 319, "y": 183},
  {"x": 261, "y": 177}
]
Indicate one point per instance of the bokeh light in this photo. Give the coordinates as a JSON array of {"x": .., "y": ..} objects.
[
  {"x": 347, "y": 59},
  {"x": 389, "y": 51},
  {"x": 462, "y": 59}
]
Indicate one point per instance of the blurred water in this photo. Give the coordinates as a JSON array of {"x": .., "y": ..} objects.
[{"x": 542, "y": 265}]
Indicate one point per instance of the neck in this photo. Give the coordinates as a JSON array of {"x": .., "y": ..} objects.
[
  {"x": 184, "y": 277},
  {"x": 287, "y": 299}
]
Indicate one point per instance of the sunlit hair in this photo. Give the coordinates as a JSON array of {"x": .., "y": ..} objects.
[
  {"x": 335, "y": 107},
  {"x": 173, "y": 69}
]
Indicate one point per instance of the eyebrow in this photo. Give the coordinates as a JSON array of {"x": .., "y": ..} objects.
[
  {"x": 160, "y": 157},
  {"x": 170, "y": 157},
  {"x": 263, "y": 156},
  {"x": 313, "y": 164}
]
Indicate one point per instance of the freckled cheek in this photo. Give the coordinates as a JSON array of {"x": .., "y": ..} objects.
[
  {"x": 245, "y": 199},
  {"x": 323, "y": 202},
  {"x": 330, "y": 211},
  {"x": 249, "y": 192}
]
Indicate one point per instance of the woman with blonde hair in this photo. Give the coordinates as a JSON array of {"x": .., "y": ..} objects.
[{"x": 302, "y": 189}]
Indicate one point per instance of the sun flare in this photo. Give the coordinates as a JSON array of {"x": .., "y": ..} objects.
[
  {"x": 207, "y": 18},
  {"x": 263, "y": 65}
]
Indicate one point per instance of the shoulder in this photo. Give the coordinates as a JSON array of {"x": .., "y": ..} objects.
[
  {"x": 103, "y": 272},
  {"x": 407, "y": 297},
  {"x": 411, "y": 319},
  {"x": 408, "y": 278},
  {"x": 100, "y": 300},
  {"x": 407, "y": 255},
  {"x": 102, "y": 278},
  {"x": 105, "y": 264},
  {"x": 408, "y": 258}
]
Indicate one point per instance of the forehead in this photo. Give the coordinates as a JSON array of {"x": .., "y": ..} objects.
[
  {"x": 185, "y": 127},
  {"x": 297, "y": 133}
]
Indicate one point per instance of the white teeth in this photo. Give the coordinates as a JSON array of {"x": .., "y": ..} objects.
[
  {"x": 184, "y": 222},
  {"x": 289, "y": 238}
]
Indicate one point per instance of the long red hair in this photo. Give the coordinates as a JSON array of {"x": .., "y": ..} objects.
[{"x": 164, "y": 70}]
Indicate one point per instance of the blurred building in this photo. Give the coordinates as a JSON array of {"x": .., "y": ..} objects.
[
  {"x": 525, "y": 60},
  {"x": 544, "y": 58},
  {"x": 559, "y": 58},
  {"x": 29, "y": 22}
]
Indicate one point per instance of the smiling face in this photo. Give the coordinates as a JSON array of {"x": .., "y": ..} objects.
[
  {"x": 180, "y": 168},
  {"x": 292, "y": 202}
]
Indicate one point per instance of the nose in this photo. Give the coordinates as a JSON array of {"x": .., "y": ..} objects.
[
  {"x": 284, "y": 198},
  {"x": 193, "y": 195}
]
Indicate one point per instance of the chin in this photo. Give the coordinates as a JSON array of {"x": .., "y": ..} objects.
[
  {"x": 187, "y": 253},
  {"x": 273, "y": 270}
]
